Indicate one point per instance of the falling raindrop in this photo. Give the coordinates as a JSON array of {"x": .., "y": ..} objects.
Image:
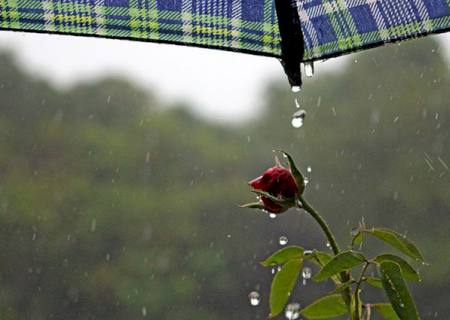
[
  {"x": 272, "y": 216},
  {"x": 309, "y": 169},
  {"x": 283, "y": 240},
  {"x": 306, "y": 274},
  {"x": 295, "y": 89},
  {"x": 309, "y": 69},
  {"x": 273, "y": 271},
  {"x": 254, "y": 298},
  {"x": 297, "y": 104},
  {"x": 93, "y": 225},
  {"x": 297, "y": 118},
  {"x": 279, "y": 268},
  {"x": 306, "y": 180},
  {"x": 144, "y": 311},
  {"x": 292, "y": 311},
  {"x": 328, "y": 245}
]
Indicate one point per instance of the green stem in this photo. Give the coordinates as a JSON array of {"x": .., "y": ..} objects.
[
  {"x": 358, "y": 285},
  {"x": 345, "y": 277},
  {"x": 322, "y": 223}
]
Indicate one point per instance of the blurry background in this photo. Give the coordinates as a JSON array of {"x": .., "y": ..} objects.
[{"x": 122, "y": 166}]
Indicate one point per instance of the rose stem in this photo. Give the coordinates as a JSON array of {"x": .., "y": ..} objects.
[
  {"x": 334, "y": 246},
  {"x": 322, "y": 223}
]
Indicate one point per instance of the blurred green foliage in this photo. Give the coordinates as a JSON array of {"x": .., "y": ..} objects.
[{"x": 114, "y": 206}]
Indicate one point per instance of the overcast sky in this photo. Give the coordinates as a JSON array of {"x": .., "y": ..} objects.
[{"x": 221, "y": 85}]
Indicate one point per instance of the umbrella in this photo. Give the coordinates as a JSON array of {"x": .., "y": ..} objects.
[{"x": 293, "y": 31}]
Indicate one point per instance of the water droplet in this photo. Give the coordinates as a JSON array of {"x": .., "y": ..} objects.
[
  {"x": 93, "y": 225},
  {"x": 295, "y": 89},
  {"x": 307, "y": 252},
  {"x": 272, "y": 216},
  {"x": 306, "y": 180},
  {"x": 228, "y": 236},
  {"x": 292, "y": 311},
  {"x": 108, "y": 100},
  {"x": 297, "y": 104},
  {"x": 297, "y": 118},
  {"x": 273, "y": 271},
  {"x": 279, "y": 268},
  {"x": 144, "y": 311},
  {"x": 283, "y": 240},
  {"x": 309, "y": 69},
  {"x": 306, "y": 274},
  {"x": 328, "y": 245},
  {"x": 309, "y": 169},
  {"x": 254, "y": 298}
]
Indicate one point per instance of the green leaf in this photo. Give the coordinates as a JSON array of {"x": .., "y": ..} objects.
[
  {"x": 283, "y": 255},
  {"x": 320, "y": 258},
  {"x": 385, "y": 310},
  {"x": 397, "y": 292},
  {"x": 282, "y": 285},
  {"x": 374, "y": 282},
  {"x": 253, "y": 205},
  {"x": 397, "y": 241},
  {"x": 299, "y": 179},
  {"x": 408, "y": 271},
  {"x": 325, "y": 308},
  {"x": 343, "y": 261},
  {"x": 357, "y": 239},
  {"x": 342, "y": 286}
]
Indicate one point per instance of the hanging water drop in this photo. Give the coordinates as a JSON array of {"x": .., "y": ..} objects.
[
  {"x": 295, "y": 89},
  {"x": 283, "y": 240},
  {"x": 254, "y": 298},
  {"x": 292, "y": 311},
  {"x": 298, "y": 118},
  {"x": 306, "y": 274},
  {"x": 309, "y": 69}
]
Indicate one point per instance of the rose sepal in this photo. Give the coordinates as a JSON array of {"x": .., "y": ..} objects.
[
  {"x": 281, "y": 201},
  {"x": 298, "y": 176}
]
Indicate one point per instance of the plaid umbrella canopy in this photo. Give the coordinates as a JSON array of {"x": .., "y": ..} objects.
[{"x": 294, "y": 31}]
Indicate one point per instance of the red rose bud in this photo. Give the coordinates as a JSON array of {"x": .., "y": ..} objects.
[{"x": 278, "y": 182}]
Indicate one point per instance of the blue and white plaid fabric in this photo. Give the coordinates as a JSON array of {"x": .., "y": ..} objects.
[
  {"x": 334, "y": 27},
  {"x": 330, "y": 27}
]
